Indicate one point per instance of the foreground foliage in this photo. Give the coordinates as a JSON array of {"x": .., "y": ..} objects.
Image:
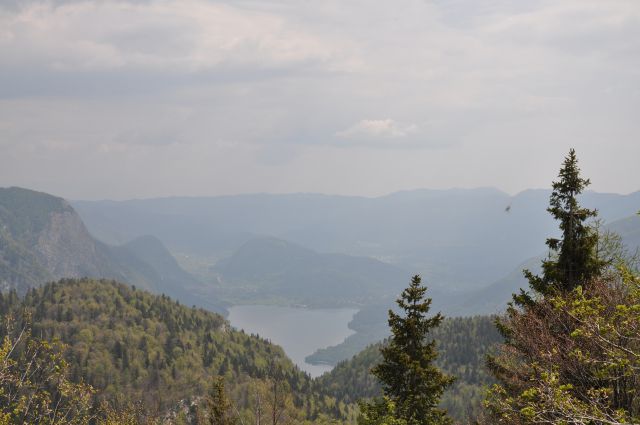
[
  {"x": 34, "y": 387},
  {"x": 573, "y": 358}
]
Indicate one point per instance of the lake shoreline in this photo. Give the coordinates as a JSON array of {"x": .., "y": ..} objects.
[{"x": 299, "y": 330}]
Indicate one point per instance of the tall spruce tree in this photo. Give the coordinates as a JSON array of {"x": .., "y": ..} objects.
[
  {"x": 549, "y": 371},
  {"x": 410, "y": 381},
  {"x": 573, "y": 259}
]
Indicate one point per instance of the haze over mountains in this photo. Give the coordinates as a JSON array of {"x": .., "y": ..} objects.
[
  {"x": 470, "y": 245},
  {"x": 457, "y": 239},
  {"x": 298, "y": 249}
]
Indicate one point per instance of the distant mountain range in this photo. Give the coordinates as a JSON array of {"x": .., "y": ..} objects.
[
  {"x": 457, "y": 239},
  {"x": 273, "y": 248},
  {"x": 43, "y": 239},
  {"x": 470, "y": 245},
  {"x": 260, "y": 247}
]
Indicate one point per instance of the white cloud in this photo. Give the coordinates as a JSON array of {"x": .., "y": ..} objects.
[{"x": 378, "y": 129}]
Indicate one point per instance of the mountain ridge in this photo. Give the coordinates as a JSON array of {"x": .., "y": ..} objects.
[{"x": 468, "y": 237}]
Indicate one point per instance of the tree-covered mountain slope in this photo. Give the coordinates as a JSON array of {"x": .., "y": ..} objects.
[
  {"x": 267, "y": 269},
  {"x": 132, "y": 345},
  {"x": 462, "y": 344}
]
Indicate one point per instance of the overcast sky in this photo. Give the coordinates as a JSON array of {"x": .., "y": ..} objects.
[{"x": 135, "y": 98}]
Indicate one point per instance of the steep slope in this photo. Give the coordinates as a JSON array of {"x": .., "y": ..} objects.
[
  {"x": 43, "y": 239},
  {"x": 147, "y": 263},
  {"x": 19, "y": 267},
  {"x": 269, "y": 268}
]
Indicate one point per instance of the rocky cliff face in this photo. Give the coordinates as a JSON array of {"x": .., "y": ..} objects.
[
  {"x": 19, "y": 267},
  {"x": 66, "y": 249},
  {"x": 42, "y": 238}
]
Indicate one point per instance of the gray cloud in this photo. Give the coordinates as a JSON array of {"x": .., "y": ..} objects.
[
  {"x": 206, "y": 97},
  {"x": 378, "y": 129}
]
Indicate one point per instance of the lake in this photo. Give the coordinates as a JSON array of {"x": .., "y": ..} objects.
[{"x": 299, "y": 331}]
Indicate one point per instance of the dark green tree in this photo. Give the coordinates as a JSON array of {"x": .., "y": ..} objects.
[
  {"x": 219, "y": 407},
  {"x": 409, "y": 378},
  {"x": 573, "y": 259}
]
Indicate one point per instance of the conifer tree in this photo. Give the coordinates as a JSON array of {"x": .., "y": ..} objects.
[
  {"x": 409, "y": 379},
  {"x": 573, "y": 259},
  {"x": 567, "y": 357},
  {"x": 218, "y": 404}
]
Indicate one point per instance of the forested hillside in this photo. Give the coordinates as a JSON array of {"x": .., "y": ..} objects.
[
  {"x": 462, "y": 345},
  {"x": 131, "y": 345}
]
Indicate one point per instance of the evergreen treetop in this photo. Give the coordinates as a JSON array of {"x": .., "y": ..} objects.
[
  {"x": 409, "y": 378},
  {"x": 573, "y": 259}
]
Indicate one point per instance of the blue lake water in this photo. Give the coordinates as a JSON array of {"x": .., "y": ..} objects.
[{"x": 299, "y": 331}]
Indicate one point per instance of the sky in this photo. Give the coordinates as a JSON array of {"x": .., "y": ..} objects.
[{"x": 103, "y": 99}]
